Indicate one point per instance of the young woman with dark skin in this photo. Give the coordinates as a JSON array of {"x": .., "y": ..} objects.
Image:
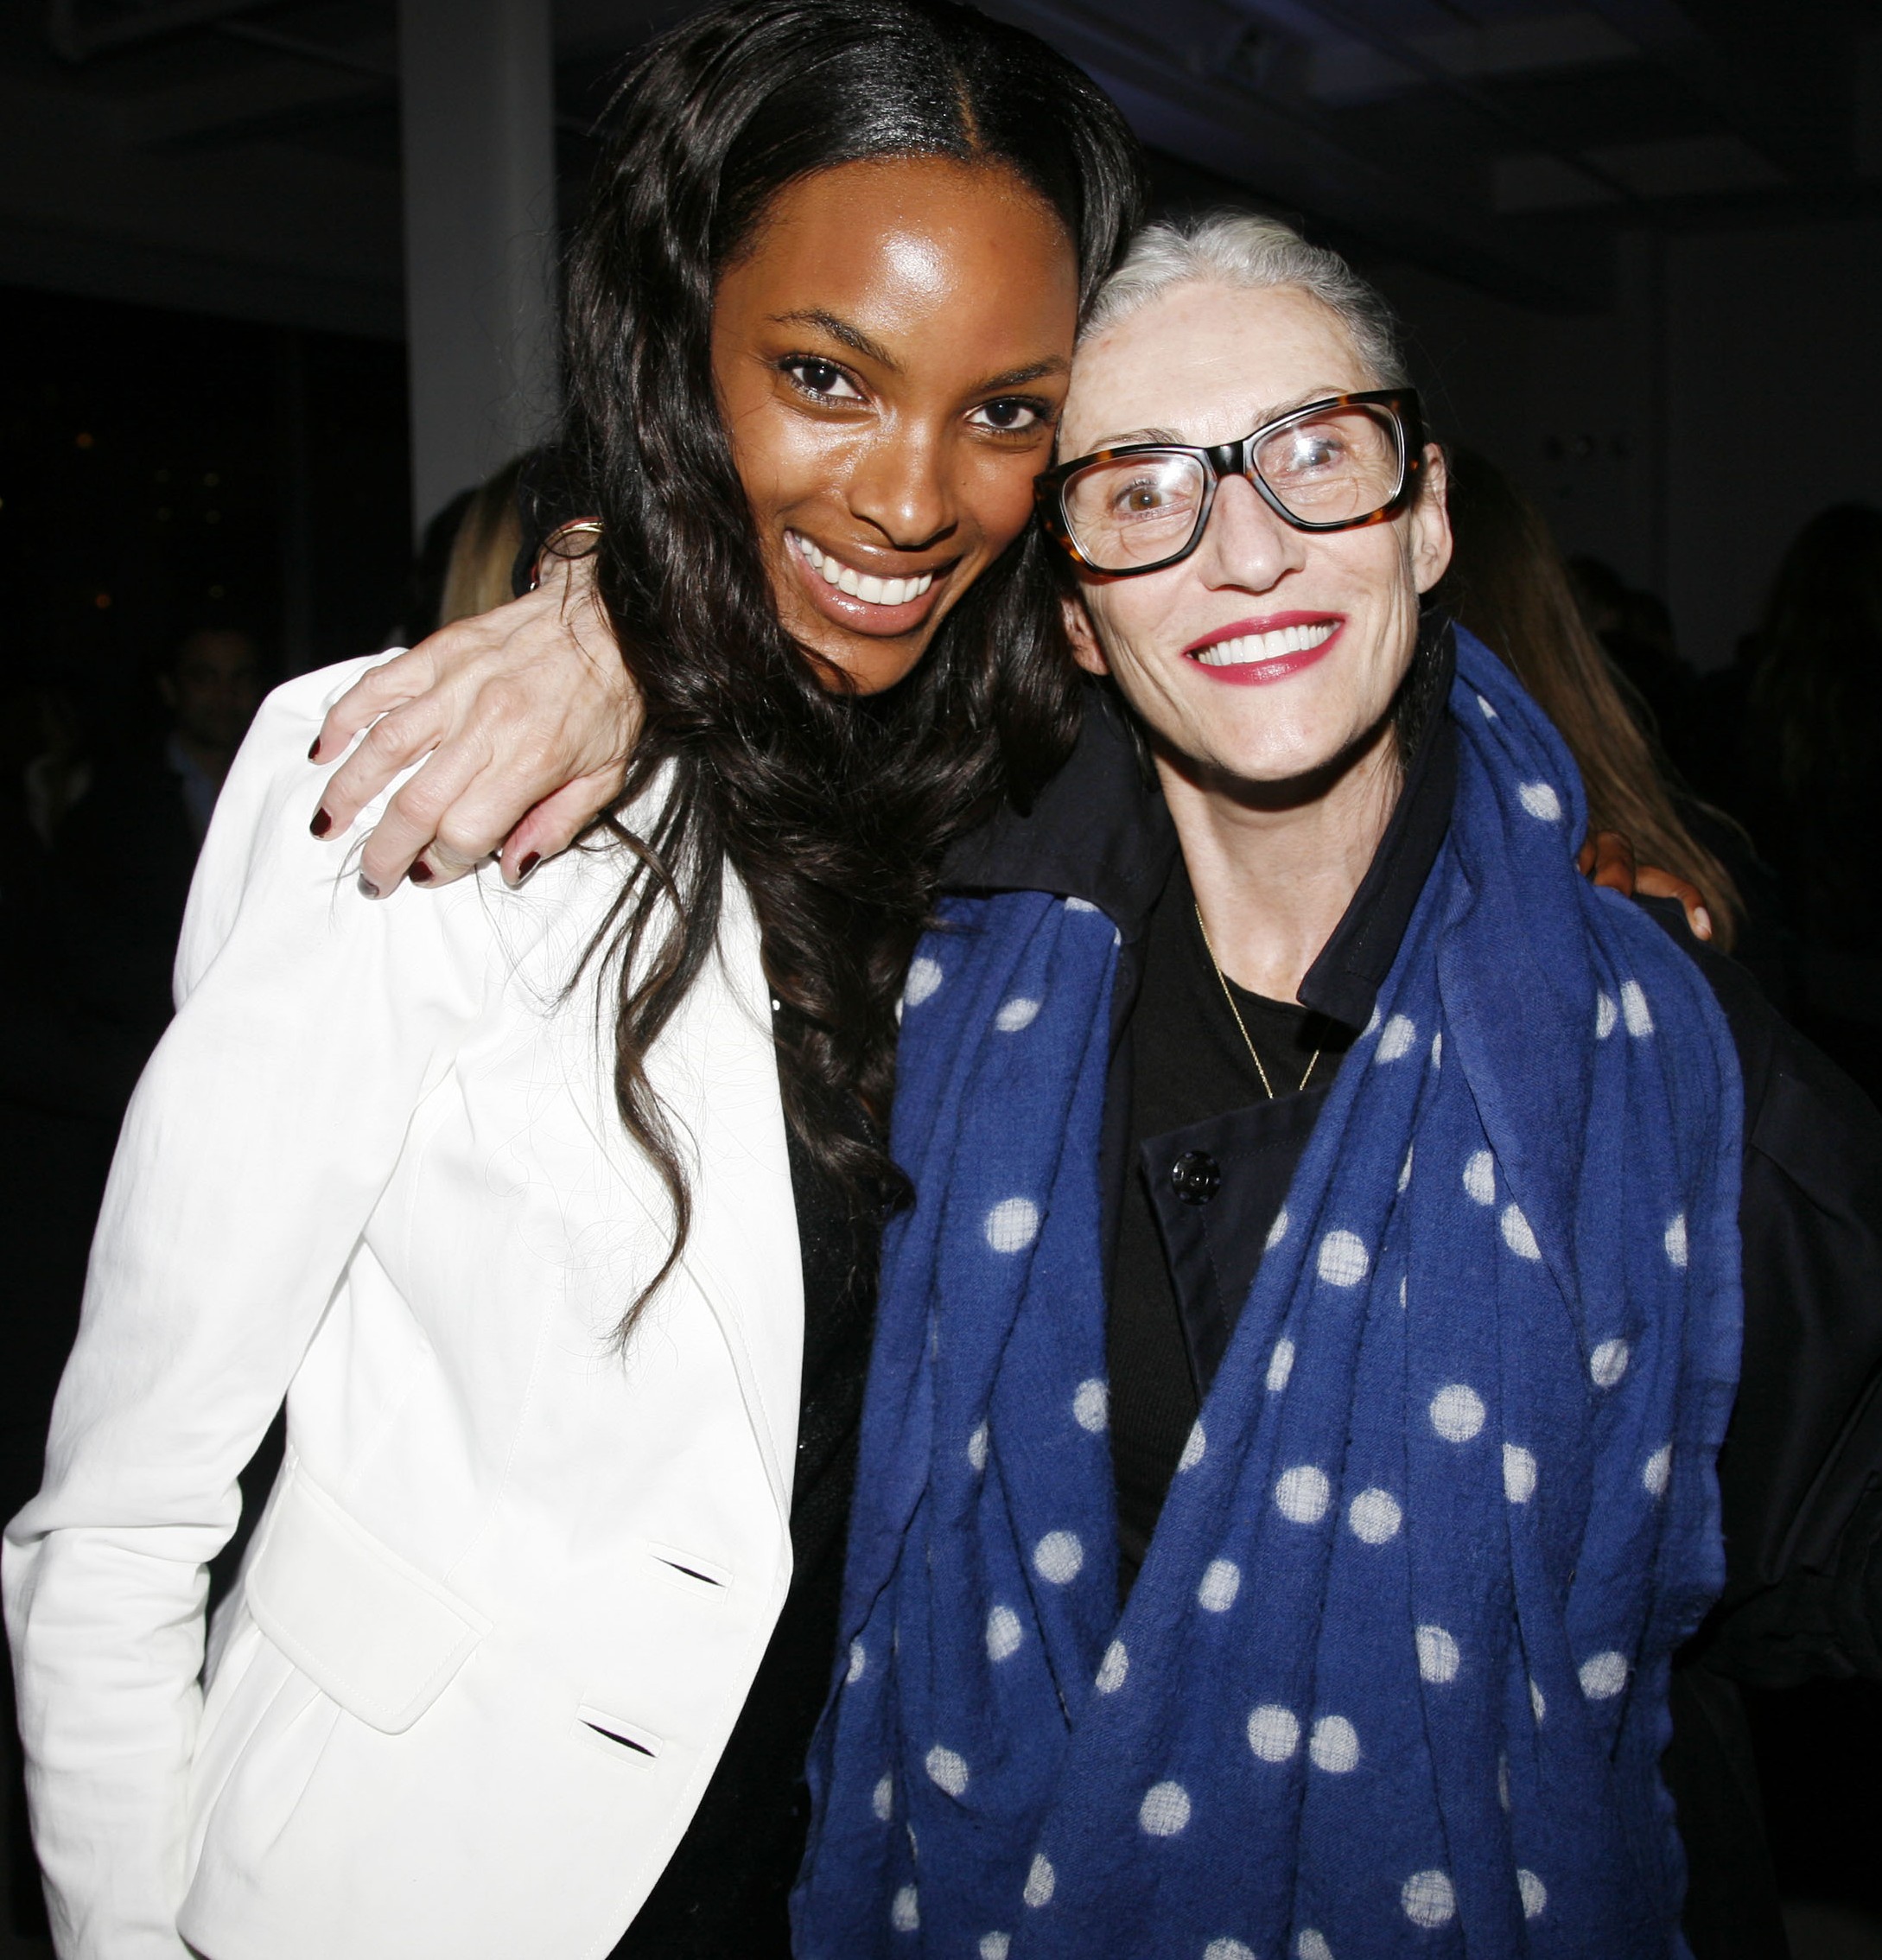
[{"x": 533, "y": 1633}]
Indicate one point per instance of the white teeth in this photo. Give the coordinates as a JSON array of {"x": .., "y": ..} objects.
[
  {"x": 872, "y": 591},
  {"x": 1268, "y": 645}
]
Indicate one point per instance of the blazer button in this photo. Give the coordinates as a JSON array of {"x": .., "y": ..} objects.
[{"x": 1195, "y": 1177}]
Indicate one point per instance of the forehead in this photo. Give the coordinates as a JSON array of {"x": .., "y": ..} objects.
[{"x": 1208, "y": 363}]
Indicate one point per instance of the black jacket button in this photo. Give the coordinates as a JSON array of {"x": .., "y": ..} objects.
[{"x": 1195, "y": 1177}]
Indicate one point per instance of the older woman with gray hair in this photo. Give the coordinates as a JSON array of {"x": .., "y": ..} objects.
[{"x": 1342, "y": 1241}]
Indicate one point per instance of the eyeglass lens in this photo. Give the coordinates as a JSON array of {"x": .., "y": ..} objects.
[{"x": 1334, "y": 467}]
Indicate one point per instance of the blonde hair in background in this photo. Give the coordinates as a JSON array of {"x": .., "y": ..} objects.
[{"x": 484, "y": 552}]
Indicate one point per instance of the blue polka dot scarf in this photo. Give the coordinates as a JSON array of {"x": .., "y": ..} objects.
[{"x": 1394, "y": 1678}]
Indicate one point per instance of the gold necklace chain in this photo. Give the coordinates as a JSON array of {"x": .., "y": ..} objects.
[{"x": 1223, "y": 979}]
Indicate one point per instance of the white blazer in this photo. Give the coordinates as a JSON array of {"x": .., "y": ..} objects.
[{"x": 511, "y": 1589}]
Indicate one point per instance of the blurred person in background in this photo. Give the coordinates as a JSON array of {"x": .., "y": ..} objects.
[
  {"x": 481, "y": 571},
  {"x": 1813, "y": 745},
  {"x": 1636, "y": 630},
  {"x": 1508, "y": 583}
]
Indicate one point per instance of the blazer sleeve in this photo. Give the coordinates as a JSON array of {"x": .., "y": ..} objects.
[{"x": 310, "y": 1022}]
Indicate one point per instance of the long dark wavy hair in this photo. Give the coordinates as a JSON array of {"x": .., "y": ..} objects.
[{"x": 834, "y": 809}]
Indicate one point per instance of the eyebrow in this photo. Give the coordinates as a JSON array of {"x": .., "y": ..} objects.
[
  {"x": 857, "y": 341},
  {"x": 1275, "y": 414}
]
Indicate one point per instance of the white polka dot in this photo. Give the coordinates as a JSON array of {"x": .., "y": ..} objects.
[
  {"x": 923, "y": 976},
  {"x": 1517, "y": 1236},
  {"x": 882, "y": 1799},
  {"x": 1402, "y": 1280},
  {"x": 1541, "y": 801},
  {"x": 1635, "y": 1011},
  {"x": 1397, "y": 1038},
  {"x": 1480, "y": 1177},
  {"x": 1608, "y": 1363},
  {"x": 1165, "y": 1809},
  {"x": 1605, "y": 1015},
  {"x": 1004, "y": 1634},
  {"x": 947, "y": 1770},
  {"x": 1194, "y": 1445},
  {"x": 1303, "y": 1493},
  {"x": 1312, "y": 1945},
  {"x": 859, "y": 1659},
  {"x": 1344, "y": 1259},
  {"x": 1518, "y": 1474},
  {"x": 1059, "y": 1557},
  {"x": 1372, "y": 1024},
  {"x": 1658, "y": 1471},
  {"x": 1012, "y": 1225},
  {"x": 1090, "y": 1406},
  {"x": 1018, "y": 1012},
  {"x": 1676, "y": 1240},
  {"x": 1538, "y": 1701},
  {"x": 976, "y": 1448},
  {"x": 1374, "y": 1517},
  {"x": 1405, "y": 1168},
  {"x": 1040, "y": 1882},
  {"x": 1428, "y": 1899},
  {"x": 1457, "y": 1412},
  {"x": 1490, "y": 713},
  {"x": 1277, "y": 1230},
  {"x": 995, "y": 1945},
  {"x": 1220, "y": 1583},
  {"x": 1228, "y": 1949},
  {"x": 1079, "y": 905},
  {"x": 1273, "y": 1732},
  {"x": 905, "y": 1911},
  {"x": 1534, "y": 1893},
  {"x": 1603, "y": 1676},
  {"x": 1438, "y": 1656},
  {"x": 1437, "y": 1049},
  {"x": 1113, "y": 1668},
  {"x": 1280, "y": 1365},
  {"x": 1334, "y": 1745}
]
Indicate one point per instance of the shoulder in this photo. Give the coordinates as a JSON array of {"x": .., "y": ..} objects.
[{"x": 1802, "y": 1112}]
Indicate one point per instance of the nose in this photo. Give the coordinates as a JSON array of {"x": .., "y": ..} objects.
[
  {"x": 900, "y": 486},
  {"x": 1246, "y": 544}
]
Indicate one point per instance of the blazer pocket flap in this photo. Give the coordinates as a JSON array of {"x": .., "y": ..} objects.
[{"x": 365, "y": 1626}]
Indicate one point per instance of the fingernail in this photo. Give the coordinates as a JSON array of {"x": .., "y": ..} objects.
[
  {"x": 1703, "y": 923},
  {"x": 321, "y": 824},
  {"x": 531, "y": 860},
  {"x": 314, "y": 750},
  {"x": 367, "y": 888},
  {"x": 420, "y": 873}
]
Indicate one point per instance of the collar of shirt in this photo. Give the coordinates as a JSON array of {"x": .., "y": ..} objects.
[{"x": 1100, "y": 830}]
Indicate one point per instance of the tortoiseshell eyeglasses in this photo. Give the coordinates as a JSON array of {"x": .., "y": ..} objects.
[{"x": 1333, "y": 465}]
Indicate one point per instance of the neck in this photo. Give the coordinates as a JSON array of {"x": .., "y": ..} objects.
[
  {"x": 1275, "y": 866},
  {"x": 210, "y": 757}
]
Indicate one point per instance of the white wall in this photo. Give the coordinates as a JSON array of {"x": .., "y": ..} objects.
[{"x": 1686, "y": 431}]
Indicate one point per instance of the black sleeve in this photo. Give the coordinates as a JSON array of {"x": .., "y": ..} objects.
[{"x": 1801, "y": 1473}]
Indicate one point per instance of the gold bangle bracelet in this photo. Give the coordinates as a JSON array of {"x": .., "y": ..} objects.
[{"x": 576, "y": 527}]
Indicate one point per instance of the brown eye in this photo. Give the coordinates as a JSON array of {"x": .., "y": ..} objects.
[
  {"x": 1011, "y": 415},
  {"x": 821, "y": 379}
]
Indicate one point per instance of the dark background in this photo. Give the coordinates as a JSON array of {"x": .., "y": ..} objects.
[{"x": 1637, "y": 245}]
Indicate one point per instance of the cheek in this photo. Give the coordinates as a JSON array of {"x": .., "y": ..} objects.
[{"x": 995, "y": 495}]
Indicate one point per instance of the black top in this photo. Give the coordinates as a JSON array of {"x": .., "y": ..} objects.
[
  {"x": 725, "y": 1888},
  {"x": 1801, "y": 1473}
]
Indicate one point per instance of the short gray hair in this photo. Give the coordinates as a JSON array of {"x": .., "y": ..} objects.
[{"x": 1241, "y": 250}]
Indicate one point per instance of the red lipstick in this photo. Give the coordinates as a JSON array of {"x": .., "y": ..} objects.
[{"x": 1259, "y": 672}]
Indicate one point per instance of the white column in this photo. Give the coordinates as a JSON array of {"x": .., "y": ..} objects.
[{"x": 477, "y": 113}]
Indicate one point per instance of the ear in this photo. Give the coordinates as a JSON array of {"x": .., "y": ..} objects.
[
  {"x": 1428, "y": 534},
  {"x": 1085, "y": 649}
]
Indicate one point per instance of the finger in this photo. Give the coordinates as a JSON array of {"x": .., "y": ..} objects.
[
  {"x": 1653, "y": 882},
  {"x": 392, "y": 744},
  {"x": 411, "y": 818},
  {"x": 1614, "y": 862},
  {"x": 557, "y": 821},
  {"x": 389, "y": 685}
]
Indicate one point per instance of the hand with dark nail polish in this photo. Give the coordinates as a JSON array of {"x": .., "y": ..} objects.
[
  {"x": 420, "y": 872},
  {"x": 529, "y": 864},
  {"x": 367, "y": 888},
  {"x": 314, "y": 750},
  {"x": 322, "y": 823}
]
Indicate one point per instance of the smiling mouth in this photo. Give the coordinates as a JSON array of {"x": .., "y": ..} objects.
[
  {"x": 864, "y": 587},
  {"x": 1279, "y": 643}
]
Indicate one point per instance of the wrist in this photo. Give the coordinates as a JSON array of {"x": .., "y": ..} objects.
[{"x": 577, "y": 538}]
